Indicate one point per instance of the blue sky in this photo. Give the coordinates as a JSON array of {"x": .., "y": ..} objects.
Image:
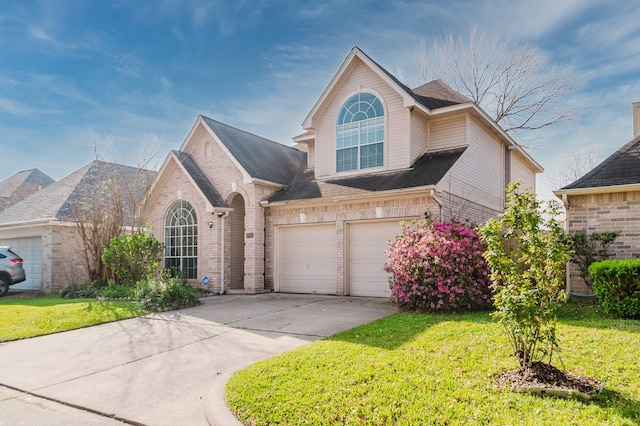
[{"x": 130, "y": 77}]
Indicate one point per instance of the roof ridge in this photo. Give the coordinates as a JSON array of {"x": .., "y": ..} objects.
[
  {"x": 247, "y": 132},
  {"x": 604, "y": 165}
]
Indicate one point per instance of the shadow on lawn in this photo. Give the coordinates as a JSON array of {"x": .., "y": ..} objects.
[
  {"x": 396, "y": 330},
  {"x": 623, "y": 406},
  {"x": 589, "y": 315}
]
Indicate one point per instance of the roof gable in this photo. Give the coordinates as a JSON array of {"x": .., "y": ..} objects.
[
  {"x": 261, "y": 158},
  {"x": 59, "y": 200},
  {"x": 620, "y": 168},
  {"x": 199, "y": 179},
  {"x": 433, "y": 95}
]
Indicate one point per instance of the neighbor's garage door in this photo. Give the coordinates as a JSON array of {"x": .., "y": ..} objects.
[
  {"x": 306, "y": 259},
  {"x": 368, "y": 243},
  {"x": 30, "y": 250}
]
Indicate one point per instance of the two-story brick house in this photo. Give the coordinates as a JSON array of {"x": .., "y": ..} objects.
[{"x": 253, "y": 215}]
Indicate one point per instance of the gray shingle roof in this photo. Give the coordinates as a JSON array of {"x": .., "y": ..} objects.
[
  {"x": 58, "y": 200},
  {"x": 427, "y": 170},
  {"x": 620, "y": 168},
  {"x": 434, "y": 94},
  {"x": 20, "y": 185},
  {"x": 262, "y": 158},
  {"x": 200, "y": 179}
]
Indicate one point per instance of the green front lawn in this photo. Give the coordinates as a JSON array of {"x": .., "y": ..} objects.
[
  {"x": 410, "y": 369},
  {"x": 36, "y": 316}
]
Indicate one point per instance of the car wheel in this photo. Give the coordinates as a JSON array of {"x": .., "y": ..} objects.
[{"x": 4, "y": 286}]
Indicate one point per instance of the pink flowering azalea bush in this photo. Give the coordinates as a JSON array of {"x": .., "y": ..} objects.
[{"x": 439, "y": 267}]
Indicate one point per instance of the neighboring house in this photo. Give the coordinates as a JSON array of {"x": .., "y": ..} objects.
[
  {"x": 607, "y": 199},
  {"x": 252, "y": 215},
  {"x": 19, "y": 186},
  {"x": 42, "y": 228}
]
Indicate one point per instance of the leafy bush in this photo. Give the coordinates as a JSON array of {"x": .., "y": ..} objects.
[
  {"x": 115, "y": 291},
  {"x": 438, "y": 267},
  {"x": 81, "y": 291},
  {"x": 527, "y": 252},
  {"x": 132, "y": 257},
  {"x": 590, "y": 248},
  {"x": 165, "y": 292},
  {"x": 616, "y": 284}
]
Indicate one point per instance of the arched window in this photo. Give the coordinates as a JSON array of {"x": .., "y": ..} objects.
[
  {"x": 360, "y": 133},
  {"x": 181, "y": 239}
]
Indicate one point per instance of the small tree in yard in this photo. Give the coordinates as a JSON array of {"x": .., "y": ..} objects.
[{"x": 527, "y": 253}]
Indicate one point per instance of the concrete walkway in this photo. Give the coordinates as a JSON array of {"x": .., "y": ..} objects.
[{"x": 163, "y": 369}]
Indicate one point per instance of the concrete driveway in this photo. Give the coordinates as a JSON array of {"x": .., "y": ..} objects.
[{"x": 159, "y": 369}]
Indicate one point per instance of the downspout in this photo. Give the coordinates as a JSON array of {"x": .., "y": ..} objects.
[{"x": 437, "y": 200}]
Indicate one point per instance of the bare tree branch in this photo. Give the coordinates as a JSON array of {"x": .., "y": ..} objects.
[
  {"x": 576, "y": 167},
  {"x": 511, "y": 80}
]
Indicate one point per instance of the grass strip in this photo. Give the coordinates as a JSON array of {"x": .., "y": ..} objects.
[
  {"x": 410, "y": 368},
  {"x": 37, "y": 316}
]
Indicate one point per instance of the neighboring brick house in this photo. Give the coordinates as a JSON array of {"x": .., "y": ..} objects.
[
  {"x": 607, "y": 199},
  {"x": 22, "y": 184},
  {"x": 252, "y": 215},
  {"x": 42, "y": 229}
]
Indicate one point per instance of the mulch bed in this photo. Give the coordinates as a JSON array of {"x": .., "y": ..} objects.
[{"x": 546, "y": 379}]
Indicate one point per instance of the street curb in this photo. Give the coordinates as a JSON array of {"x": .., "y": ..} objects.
[{"x": 216, "y": 410}]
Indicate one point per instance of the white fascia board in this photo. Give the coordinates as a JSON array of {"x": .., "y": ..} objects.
[
  {"x": 408, "y": 100},
  {"x": 208, "y": 206},
  {"x": 192, "y": 131},
  {"x": 598, "y": 190},
  {"x": 158, "y": 176},
  {"x": 30, "y": 223},
  {"x": 339, "y": 198},
  {"x": 246, "y": 177}
]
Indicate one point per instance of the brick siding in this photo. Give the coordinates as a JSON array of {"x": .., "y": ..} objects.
[{"x": 617, "y": 211}]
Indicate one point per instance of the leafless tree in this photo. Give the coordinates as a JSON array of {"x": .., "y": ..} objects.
[
  {"x": 109, "y": 201},
  {"x": 576, "y": 167},
  {"x": 511, "y": 80}
]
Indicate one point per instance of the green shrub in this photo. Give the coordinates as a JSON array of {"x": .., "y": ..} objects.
[
  {"x": 527, "y": 252},
  {"x": 80, "y": 291},
  {"x": 590, "y": 248},
  {"x": 616, "y": 284},
  {"x": 132, "y": 257},
  {"x": 165, "y": 292},
  {"x": 115, "y": 291}
]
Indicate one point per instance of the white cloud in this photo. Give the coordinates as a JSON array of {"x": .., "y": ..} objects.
[{"x": 40, "y": 34}]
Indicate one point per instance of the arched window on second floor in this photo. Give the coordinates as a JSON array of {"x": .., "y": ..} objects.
[{"x": 360, "y": 133}]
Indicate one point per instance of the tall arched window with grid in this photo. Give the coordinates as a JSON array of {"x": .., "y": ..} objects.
[
  {"x": 360, "y": 133},
  {"x": 181, "y": 239}
]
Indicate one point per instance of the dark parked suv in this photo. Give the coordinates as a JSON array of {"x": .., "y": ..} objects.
[{"x": 11, "y": 270}]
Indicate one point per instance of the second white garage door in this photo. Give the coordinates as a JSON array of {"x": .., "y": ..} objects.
[
  {"x": 367, "y": 246},
  {"x": 306, "y": 259}
]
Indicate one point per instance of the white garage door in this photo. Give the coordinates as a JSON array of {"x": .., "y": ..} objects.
[
  {"x": 368, "y": 243},
  {"x": 30, "y": 250},
  {"x": 306, "y": 259}
]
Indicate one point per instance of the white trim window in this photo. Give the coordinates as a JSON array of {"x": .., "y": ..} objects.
[
  {"x": 181, "y": 239},
  {"x": 360, "y": 133}
]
